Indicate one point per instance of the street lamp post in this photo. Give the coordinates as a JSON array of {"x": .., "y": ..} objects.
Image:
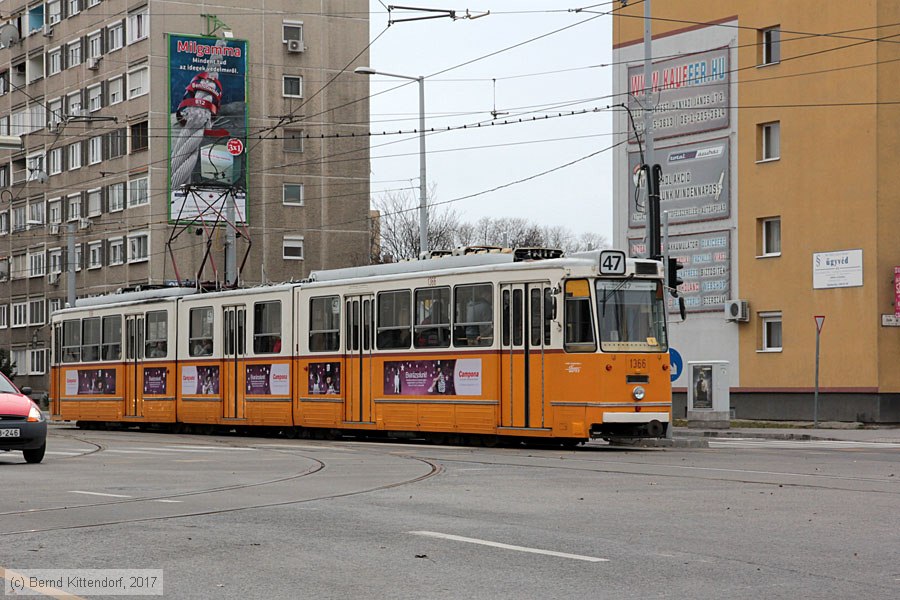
[{"x": 423, "y": 206}]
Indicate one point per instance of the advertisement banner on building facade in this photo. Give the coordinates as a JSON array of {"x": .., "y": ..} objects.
[
  {"x": 207, "y": 128},
  {"x": 839, "y": 269},
  {"x": 706, "y": 258},
  {"x": 690, "y": 94},
  {"x": 695, "y": 185}
]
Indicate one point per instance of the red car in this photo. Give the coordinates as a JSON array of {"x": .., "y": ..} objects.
[{"x": 22, "y": 425}]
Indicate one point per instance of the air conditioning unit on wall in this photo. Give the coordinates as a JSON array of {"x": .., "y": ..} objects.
[
  {"x": 737, "y": 310},
  {"x": 295, "y": 46}
]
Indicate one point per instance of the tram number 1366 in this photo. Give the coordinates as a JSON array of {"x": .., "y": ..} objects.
[{"x": 612, "y": 262}]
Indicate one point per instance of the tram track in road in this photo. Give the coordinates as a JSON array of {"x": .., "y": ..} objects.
[
  {"x": 687, "y": 472},
  {"x": 318, "y": 467}
]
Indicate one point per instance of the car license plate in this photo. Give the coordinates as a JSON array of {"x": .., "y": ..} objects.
[{"x": 9, "y": 433}]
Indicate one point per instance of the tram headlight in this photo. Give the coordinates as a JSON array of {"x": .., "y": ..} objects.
[{"x": 638, "y": 393}]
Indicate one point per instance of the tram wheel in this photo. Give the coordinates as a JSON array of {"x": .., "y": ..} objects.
[{"x": 290, "y": 433}]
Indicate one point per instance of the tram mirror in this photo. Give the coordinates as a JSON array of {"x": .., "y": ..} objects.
[
  {"x": 682, "y": 309},
  {"x": 550, "y": 309}
]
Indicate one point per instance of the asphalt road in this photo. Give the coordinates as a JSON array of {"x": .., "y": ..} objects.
[{"x": 241, "y": 517}]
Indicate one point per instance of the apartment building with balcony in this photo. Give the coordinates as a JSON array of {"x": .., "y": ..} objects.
[{"x": 91, "y": 87}]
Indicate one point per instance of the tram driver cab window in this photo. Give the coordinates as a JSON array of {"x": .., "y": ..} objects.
[
  {"x": 200, "y": 342},
  {"x": 579, "y": 322}
]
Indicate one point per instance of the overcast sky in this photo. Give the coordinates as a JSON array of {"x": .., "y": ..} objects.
[{"x": 549, "y": 72}]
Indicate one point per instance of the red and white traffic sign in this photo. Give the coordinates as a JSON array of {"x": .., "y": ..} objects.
[
  {"x": 235, "y": 147},
  {"x": 820, "y": 320}
]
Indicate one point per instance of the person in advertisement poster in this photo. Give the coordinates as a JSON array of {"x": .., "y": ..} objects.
[{"x": 208, "y": 126}]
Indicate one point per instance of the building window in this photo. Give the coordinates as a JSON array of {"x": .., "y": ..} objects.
[
  {"x": 291, "y": 30},
  {"x": 137, "y": 82},
  {"x": 74, "y": 7},
  {"x": 37, "y": 263},
  {"x": 114, "y": 90},
  {"x": 54, "y": 61},
  {"x": 293, "y": 86},
  {"x": 95, "y": 45},
  {"x": 115, "y": 36},
  {"x": 770, "y": 236},
  {"x": 94, "y": 202},
  {"x": 115, "y": 195},
  {"x": 293, "y": 140},
  {"x": 95, "y": 255},
  {"x": 4, "y": 316},
  {"x": 138, "y": 247},
  {"x": 38, "y": 362},
  {"x": 55, "y": 111},
  {"x": 93, "y": 3},
  {"x": 54, "y": 257},
  {"x": 116, "y": 143},
  {"x": 292, "y": 248},
  {"x": 54, "y": 11},
  {"x": 138, "y": 192},
  {"x": 4, "y": 222},
  {"x": 770, "y": 338},
  {"x": 55, "y": 304},
  {"x": 293, "y": 194},
  {"x": 36, "y": 213},
  {"x": 74, "y": 156},
  {"x": 18, "y": 359},
  {"x": 769, "y": 41},
  {"x": 140, "y": 136},
  {"x": 54, "y": 210},
  {"x": 95, "y": 150},
  {"x": 18, "y": 266},
  {"x": 20, "y": 314},
  {"x": 74, "y": 205},
  {"x": 116, "y": 251},
  {"x": 138, "y": 25},
  {"x": 55, "y": 161},
  {"x": 79, "y": 254},
  {"x": 36, "y": 311},
  {"x": 73, "y": 53},
  {"x": 73, "y": 104},
  {"x": 768, "y": 138},
  {"x": 19, "y": 217},
  {"x": 95, "y": 98}
]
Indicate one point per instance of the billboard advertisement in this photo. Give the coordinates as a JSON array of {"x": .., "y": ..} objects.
[
  {"x": 455, "y": 377},
  {"x": 695, "y": 185},
  {"x": 207, "y": 128},
  {"x": 690, "y": 93}
]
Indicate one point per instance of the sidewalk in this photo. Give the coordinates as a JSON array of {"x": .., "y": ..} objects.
[{"x": 848, "y": 432}]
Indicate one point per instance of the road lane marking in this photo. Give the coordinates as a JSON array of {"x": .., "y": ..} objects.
[
  {"x": 457, "y": 538},
  {"x": 132, "y": 452},
  {"x": 61, "y": 453},
  {"x": 99, "y": 494},
  {"x": 169, "y": 501}
]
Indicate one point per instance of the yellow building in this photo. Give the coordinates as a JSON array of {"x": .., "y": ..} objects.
[{"x": 777, "y": 126}]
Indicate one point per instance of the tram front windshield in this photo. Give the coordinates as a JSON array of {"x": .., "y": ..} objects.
[{"x": 632, "y": 315}]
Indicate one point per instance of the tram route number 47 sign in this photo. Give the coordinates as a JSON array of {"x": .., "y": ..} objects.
[{"x": 612, "y": 262}]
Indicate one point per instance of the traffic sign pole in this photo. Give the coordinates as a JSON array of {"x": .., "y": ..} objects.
[{"x": 820, "y": 320}]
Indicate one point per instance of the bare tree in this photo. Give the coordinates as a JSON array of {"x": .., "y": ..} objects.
[{"x": 399, "y": 224}]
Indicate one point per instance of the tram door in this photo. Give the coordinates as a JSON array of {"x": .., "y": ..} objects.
[
  {"x": 357, "y": 381},
  {"x": 234, "y": 348},
  {"x": 524, "y": 335},
  {"x": 134, "y": 354}
]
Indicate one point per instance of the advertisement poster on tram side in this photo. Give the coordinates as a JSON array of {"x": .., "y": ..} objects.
[
  {"x": 200, "y": 381},
  {"x": 433, "y": 377},
  {"x": 268, "y": 380},
  {"x": 324, "y": 378},
  {"x": 155, "y": 380},
  {"x": 91, "y": 382}
]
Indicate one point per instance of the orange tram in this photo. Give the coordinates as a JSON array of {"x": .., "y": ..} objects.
[{"x": 476, "y": 346}]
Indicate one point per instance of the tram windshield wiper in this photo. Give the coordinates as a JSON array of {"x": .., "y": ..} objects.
[{"x": 609, "y": 293}]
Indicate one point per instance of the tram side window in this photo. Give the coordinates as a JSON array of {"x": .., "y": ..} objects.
[
  {"x": 579, "y": 325},
  {"x": 474, "y": 310},
  {"x": 90, "y": 339},
  {"x": 432, "y": 328},
  {"x": 156, "y": 338},
  {"x": 324, "y": 324},
  {"x": 394, "y": 320},
  {"x": 112, "y": 337},
  {"x": 267, "y": 327},
  {"x": 200, "y": 340},
  {"x": 71, "y": 346}
]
